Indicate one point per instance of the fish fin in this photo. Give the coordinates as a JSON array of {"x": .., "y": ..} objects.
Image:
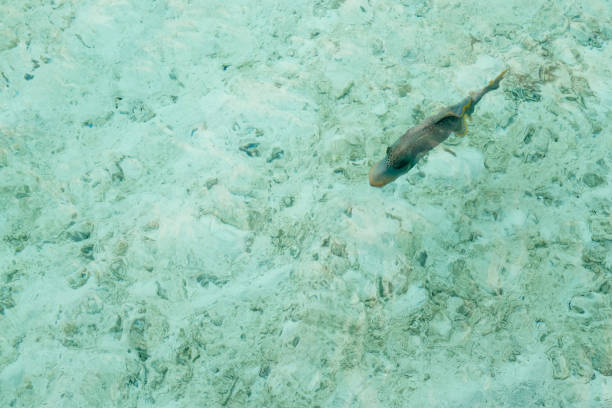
[
  {"x": 462, "y": 131},
  {"x": 462, "y": 108},
  {"x": 465, "y": 109},
  {"x": 450, "y": 151}
]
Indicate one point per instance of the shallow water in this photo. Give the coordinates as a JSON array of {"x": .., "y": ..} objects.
[{"x": 186, "y": 218}]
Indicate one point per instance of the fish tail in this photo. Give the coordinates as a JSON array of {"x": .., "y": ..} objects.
[
  {"x": 494, "y": 84},
  {"x": 477, "y": 96}
]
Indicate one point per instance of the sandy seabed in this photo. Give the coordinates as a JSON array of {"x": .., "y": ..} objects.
[{"x": 186, "y": 220}]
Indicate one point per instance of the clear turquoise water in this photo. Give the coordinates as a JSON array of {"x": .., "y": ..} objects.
[{"x": 186, "y": 218}]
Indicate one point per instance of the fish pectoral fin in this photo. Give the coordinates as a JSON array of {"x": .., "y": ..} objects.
[{"x": 450, "y": 151}]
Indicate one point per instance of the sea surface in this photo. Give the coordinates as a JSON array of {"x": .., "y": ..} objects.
[{"x": 186, "y": 218}]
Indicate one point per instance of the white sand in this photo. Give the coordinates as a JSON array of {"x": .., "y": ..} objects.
[{"x": 147, "y": 260}]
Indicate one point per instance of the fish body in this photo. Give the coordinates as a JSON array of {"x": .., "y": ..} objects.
[{"x": 417, "y": 141}]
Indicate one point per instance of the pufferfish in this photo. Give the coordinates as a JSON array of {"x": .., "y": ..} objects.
[{"x": 417, "y": 141}]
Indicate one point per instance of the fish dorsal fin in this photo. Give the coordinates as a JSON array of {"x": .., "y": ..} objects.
[
  {"x": 451, "y": 122},
  {"x": 462, "y": 108}
]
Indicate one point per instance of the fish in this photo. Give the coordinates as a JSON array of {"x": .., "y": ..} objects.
[{"x": 404, "y": 154}]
